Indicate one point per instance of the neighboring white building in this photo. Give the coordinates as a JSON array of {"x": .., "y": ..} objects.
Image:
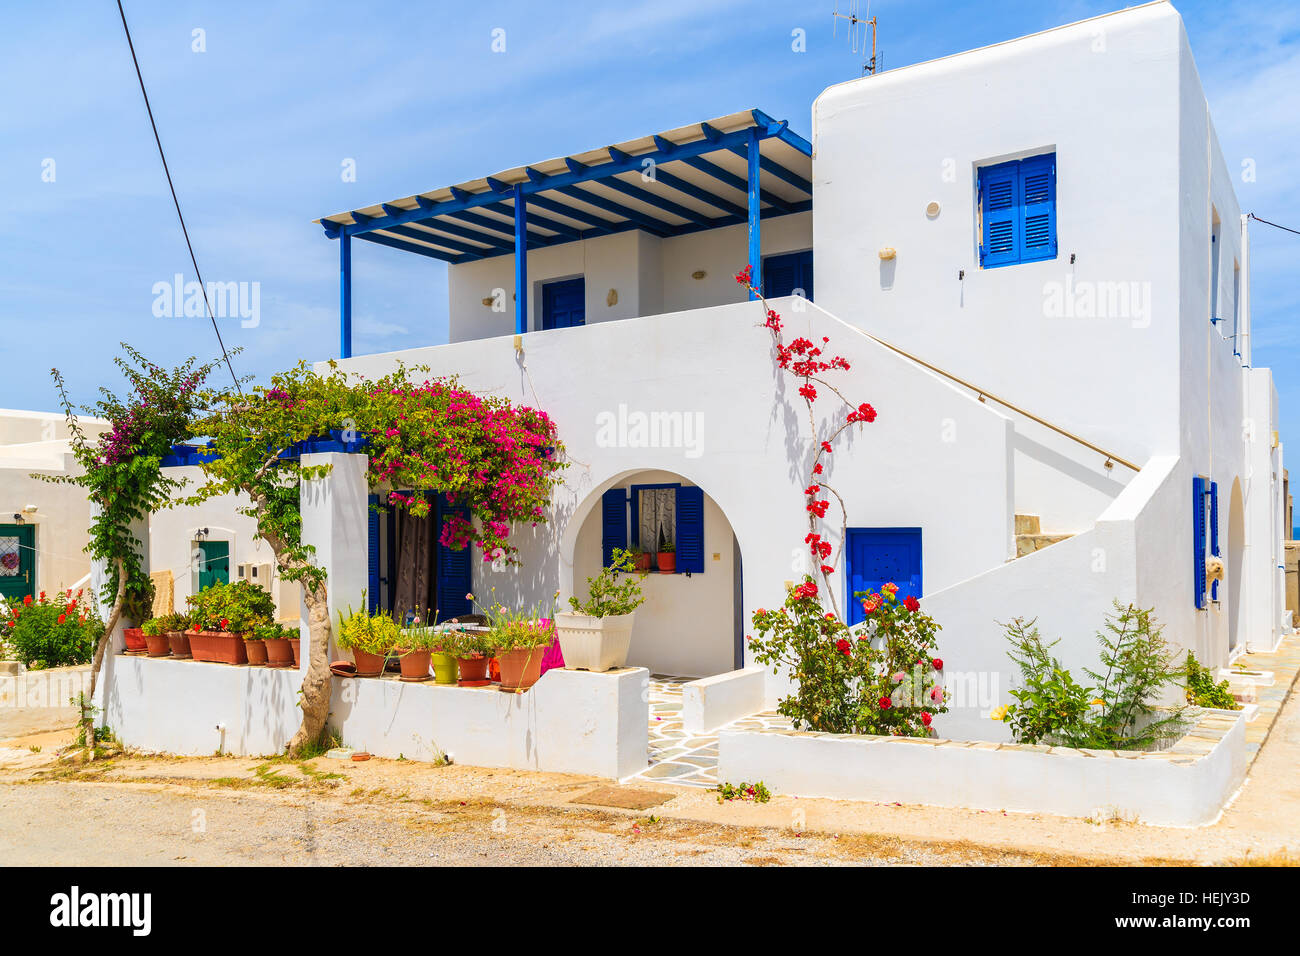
[
  {"x": 43, "y": 525},
  {"x": 214, "y": 542},
  {"x": 1033, "y": 258}
]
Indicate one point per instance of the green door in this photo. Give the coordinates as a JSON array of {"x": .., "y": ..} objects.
[
  {"x": 17, "y": 560},
  {"x": 214, "y": 563}
]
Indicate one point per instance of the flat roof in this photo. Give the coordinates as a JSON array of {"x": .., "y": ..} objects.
[{"x": 667, "y": 184}]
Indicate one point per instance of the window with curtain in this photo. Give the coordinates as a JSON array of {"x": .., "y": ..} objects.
[{"x": 656, "y": 509}]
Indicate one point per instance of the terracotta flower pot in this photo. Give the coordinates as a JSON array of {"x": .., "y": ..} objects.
[
  {"x": 473, "y": 671},
  {"x": 179, "y": 642},
  {"x": 256, "y": 652},
  {"x": 294, "y": 643},
  {"x": 134, "y": 640},
  {"x": 444, "y": 668},
  {"x": 415, "y": 665},
  {"x": 368, "y": 665},
  {"x": 521, "y": 669},
  {"x": 158, "y": 645},
  {"x": 278, "y": 653},
  {"x": 642, "y": 561},
  {"x": 219, "y": 647},
  {"x": 668, "y": 562}
]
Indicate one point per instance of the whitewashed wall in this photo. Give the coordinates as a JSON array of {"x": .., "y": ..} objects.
[
  {"x": 903, "y": 471},
  {"x": 649, "y": 275}
]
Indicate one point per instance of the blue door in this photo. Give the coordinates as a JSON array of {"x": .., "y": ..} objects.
[
  {"x": 564, "y": 303},
  {"x": 785, "y": 273},
  {"x": 879, "y": 556}
]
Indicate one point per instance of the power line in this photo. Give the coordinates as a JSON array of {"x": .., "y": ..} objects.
[
  {"x": 139, "y": 76},
  {"x": 1273, "y": 224}
]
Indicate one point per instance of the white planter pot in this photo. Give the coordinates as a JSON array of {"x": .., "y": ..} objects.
[{"x": 594, "y": 643}]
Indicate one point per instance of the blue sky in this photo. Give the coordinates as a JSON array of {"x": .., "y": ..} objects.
[{"x": 256, "y": 129}]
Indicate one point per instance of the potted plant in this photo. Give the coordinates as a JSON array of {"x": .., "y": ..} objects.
[
  {"x": 223, "y": 615},
  {"x": 135, "y": 642},
  {"x": 596, "y": 635},
  {"x": 667, "y": 555},
  {"x": 255, "y": 646},
  {"x": 471, "y": 645},
  {"x": 370, "y": 638},
  {"x": 174, "y": 626},
  {"x": 275, "y": 637},
  {"x": 295, "y": 645},
  {"x": 415, "y": 650},
  {"x": 640, "y": 557},
  {"x": 521, "y": 639},
  {"x": 155, "y": 637}
]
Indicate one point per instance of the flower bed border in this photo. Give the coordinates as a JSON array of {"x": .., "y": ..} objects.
[{"x": 1185, "y": 785}]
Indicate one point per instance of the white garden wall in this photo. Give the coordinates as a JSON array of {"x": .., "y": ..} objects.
[
  {"x": 569, "y": 722},
  {"x": 1184, "y": 786}
]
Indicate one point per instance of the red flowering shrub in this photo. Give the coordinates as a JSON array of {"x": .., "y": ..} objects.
[
  {"x": 50, "y": 633},
  {"x": 878, "y": 682}
]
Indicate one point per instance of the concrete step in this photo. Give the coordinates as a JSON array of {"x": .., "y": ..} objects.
[
  {"x": 1029, "y": 543},
  {"x": 1028, "y": 524}
]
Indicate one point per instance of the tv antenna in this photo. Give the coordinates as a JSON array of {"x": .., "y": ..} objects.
[{"x": 857, "y": 31}]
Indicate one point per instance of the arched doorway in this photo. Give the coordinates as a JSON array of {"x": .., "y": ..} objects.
[
  {"x": 1236, "y": 557},
  {"x": 691, "y": 622}
]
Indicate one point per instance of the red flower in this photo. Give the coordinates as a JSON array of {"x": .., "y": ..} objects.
[
  {"x": 926, "y": 718},
  {"x": 27, "y": 599},
  {"x": 912, "y": 604},
  {"x": 844, "y": 647},
  {"x": 808, "y": 391},
  {"x": 826, "y": 447},
  {"x": 884, "y": 703},
  {"x": 827, "y": 569},
  {"x": 817, "y": 469},
  {"x": 745, "y": 276},
  {"x": 872, "y": 604},
  {"x": 938, "y": 663},
  {"x": 62, "y": 618},
  {"x": 225, "y": 624}
]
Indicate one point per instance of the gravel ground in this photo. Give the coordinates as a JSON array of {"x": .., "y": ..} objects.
[{"x": 172, "y": 813}]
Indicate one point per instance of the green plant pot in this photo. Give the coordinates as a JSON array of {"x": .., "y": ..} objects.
[{"x": 444, "y": 668}]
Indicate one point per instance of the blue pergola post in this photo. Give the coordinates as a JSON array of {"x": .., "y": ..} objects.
[
  {"x": 755, "y": 217},
  {"x": 345, "y": 295},
  {"x": 521, "y": 261}
]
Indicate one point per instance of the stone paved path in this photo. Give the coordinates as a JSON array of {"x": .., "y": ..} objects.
[
  {"x": 679, "y": 756},
  {"x": 1285, "y": 665}
]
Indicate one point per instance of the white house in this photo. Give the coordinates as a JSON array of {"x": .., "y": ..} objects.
[
  {"x": 1031, "y": 255},
  {"x": 43, "y": 525}
]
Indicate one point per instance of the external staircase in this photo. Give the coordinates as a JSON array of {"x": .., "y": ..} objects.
[{"x": 1030, "y": 537}]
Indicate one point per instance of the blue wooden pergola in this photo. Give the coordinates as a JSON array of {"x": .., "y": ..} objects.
[{"x": 741, "y": 168}]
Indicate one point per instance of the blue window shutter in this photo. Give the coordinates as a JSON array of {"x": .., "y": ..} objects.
[
  {"x": 453, "y": 579},
  {"x": 372, "y": 554},
  {"x": 690, "y": 529},
  {"x": 806, "y": 274},
  {"x": 999, "y": 198},
  {"x": 613, "y": 521},
  {"x": 1214, "y": 533},
  {"x": 1037, "y": 190},
  {"x": 1198, "y": 540}
]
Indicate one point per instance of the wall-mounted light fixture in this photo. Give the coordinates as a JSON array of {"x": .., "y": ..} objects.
[
  {"x": 932, "y": 208},
  {"x": 611, "y": 298},
  {"x": 698, "y": 274},
  {"x": 887, "y": 253}
]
